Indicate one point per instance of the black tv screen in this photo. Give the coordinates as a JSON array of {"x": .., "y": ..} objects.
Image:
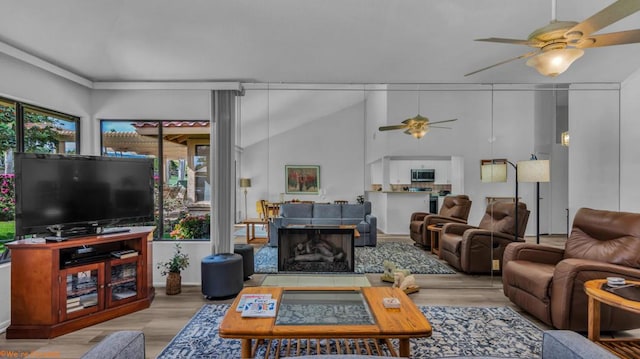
[{"x": 62, "y": 192}]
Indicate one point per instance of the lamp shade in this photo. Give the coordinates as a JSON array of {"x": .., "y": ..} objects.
[
  {"x": 245, "y": 182},
  {"x": 533, "y": 171},
  {"x": 493, "y": 172},
  {"x": 554, "y": 62}
]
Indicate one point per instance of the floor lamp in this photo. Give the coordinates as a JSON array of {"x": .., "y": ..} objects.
[
  {"x": 537, "y": 171},
  {"x": 496, "y": 171},
  {"x": 244, "y": 184}
]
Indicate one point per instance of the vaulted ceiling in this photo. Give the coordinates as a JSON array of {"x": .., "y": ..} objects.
[{"x": 322, "y": 41}]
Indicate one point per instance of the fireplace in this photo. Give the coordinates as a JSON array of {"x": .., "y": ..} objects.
[{"x": 315, "y": 249}]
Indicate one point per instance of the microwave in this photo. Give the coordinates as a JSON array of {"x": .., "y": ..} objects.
[{"x": 423, "y": 175}]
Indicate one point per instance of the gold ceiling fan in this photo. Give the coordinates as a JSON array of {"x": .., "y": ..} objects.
[
  {"x": 416, "y": 126},
  {"x": 561, "y": 42}
]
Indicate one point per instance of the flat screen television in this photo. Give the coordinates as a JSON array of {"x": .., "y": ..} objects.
[{"x": 66, "y": 195}]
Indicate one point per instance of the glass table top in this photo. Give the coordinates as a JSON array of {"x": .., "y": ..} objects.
[{"x": 323, "y": 307}]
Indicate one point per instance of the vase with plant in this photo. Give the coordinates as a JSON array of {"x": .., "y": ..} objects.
[{"x": 172, "y": 269}]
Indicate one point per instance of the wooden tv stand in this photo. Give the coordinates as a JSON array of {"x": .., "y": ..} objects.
[{"x": 60, "y": 287}]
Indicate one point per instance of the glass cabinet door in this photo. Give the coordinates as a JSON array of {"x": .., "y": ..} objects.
[
  {"x": 122, "y": 281},
  {"x": 81, "y": 290}
]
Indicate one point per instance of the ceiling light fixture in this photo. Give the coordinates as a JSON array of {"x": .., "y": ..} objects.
[
  {"x": 555, "y": 61},
  {"x": 564, "y": 139}
]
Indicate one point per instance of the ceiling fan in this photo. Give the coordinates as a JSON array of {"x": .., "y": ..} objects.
[
  {"x": 416, "y": 126},
  {"x": 560, "y": 43}
]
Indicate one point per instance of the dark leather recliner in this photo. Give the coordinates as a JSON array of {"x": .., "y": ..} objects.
[
  {"x": 473, "y": 249},
  {"x": 549, "y": 282},
  {"x": 454, "y": 209}
]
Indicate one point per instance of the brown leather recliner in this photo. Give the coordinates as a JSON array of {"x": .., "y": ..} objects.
[
  {"x": 473, "y": 249},
  {"x": 549, "y": 282},
  {"x": 454, "y": 209}
]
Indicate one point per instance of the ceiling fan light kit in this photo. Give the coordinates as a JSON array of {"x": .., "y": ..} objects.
[{"x": 554, "y": 62}]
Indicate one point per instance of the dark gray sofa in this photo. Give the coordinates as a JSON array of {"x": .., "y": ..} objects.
[
  {"x": 126, "y": 344},
  {"x": 327, "y": 214},
  {"x": 556, "y": 344}
]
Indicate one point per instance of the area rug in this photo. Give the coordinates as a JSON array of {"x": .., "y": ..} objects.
[
  {"x": 457, "y": 331},
  {"x": 369, "y": 259}
]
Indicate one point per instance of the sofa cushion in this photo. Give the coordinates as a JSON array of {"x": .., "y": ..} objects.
[
  {"x": 327, "y": 211},
  {"x": 351, "y": 221},
  {"x": 533, "y": 278},
  {"x": 355, "y": 210},
  {"x": 326, "y": 221},
  {"x": 452, "y": 243},
  {"x": 605, "y": 236},
  {"x": 293, "y": 221},
  {"x": 296, "y": 210}
]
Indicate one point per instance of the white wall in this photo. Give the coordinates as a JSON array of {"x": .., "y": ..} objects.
[
  {"x": 553, "y": 194},
  {"x": 376, "y": 113},
  {"x": 594, "y": 152},
  {"x": 334, "y": 141},
  {"x": 5, "y": 296},
  {"x": 629, "y": 144}
]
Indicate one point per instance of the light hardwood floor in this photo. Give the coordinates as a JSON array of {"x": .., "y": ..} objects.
[{"x": 168, "y": 314}]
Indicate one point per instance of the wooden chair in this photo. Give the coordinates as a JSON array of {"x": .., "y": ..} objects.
[
  {"x": 260, "y": 210},
  {"x": 270, "y": 210}
]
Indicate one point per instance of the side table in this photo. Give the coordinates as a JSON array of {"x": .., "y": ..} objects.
[
  {"x": 435, "y": 238},
  {"x": 251, "y": 227},
  {"x": 624, "y": 348}
]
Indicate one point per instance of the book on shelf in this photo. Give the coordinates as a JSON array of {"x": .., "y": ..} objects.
[
  {"x": 127, "y": 253},
  {"x": 124, "y": 294},
  {"x": 74, "y": 308},
  {"x": 89, "y": 300},
  {"x": 73, "y": 300},
  {"x": 260, "y": 308},
  {"x": 250, "y": 297}
]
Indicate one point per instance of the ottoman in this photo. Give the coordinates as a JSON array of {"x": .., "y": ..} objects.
[
  {"x": 246, "y": 251},
  {"x": 221, "y": 275}
]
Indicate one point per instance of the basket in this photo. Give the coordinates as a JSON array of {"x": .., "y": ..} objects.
[{"x": 174, "y": 283}]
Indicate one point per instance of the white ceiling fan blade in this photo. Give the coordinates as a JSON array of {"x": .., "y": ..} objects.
[
  {"x": 433, "y": 123},
  {"x": 448, "y": 128},
  {"x": 393, "y": 127},
  {"x": 524, "y": 56},
  {"x": 605, "y": 17},
  {"x": 613, "y": 38},
  {"x": 510, "y": 41}
]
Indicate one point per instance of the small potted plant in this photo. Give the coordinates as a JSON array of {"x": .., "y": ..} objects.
[{"x": 172, "y": 269}]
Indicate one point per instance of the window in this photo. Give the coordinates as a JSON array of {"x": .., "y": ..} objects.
[
  {"x": 49, "y": 132},
  {"x": 27, "y": 128},
  {"x": 181, "y": 149}
]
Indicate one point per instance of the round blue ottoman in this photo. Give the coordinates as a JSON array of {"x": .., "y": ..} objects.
[
  {"x": 221, "y": 275},
  {"x": 246, "y": 251}
]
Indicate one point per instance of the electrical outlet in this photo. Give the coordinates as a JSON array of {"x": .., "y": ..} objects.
[{"x": 496, "y": 264}]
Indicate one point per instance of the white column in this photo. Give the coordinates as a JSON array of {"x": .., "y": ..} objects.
[{"x": 222, "y": 169}]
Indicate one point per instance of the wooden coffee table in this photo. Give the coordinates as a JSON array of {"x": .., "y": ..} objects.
[
  {"x": 403, "y": 323},
  {"x": 625, "y": 347}
]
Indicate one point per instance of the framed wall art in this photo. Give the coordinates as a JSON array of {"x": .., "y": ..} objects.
[{"x": 302, "y": 179}]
